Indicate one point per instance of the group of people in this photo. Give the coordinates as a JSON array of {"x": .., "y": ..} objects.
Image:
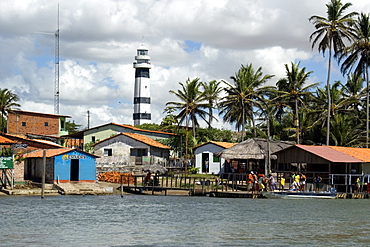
[
  {"x": 299, "y": 181},
  {"x": 259, "y": 182}
]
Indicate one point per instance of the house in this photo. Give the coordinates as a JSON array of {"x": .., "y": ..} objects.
[
  {"x": 339, "y": 166},
  {"x": 63, "y": 165},
  {"x": 24, "y": 122},
  {"x": 23, "y": 145},
  {"x": 124, "y": 150},
  {"x": 95, "y": 134},
  {"x": 204, "y": 156}
]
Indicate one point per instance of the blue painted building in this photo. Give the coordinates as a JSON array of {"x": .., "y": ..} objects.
[{"x": 62, "y": 166}]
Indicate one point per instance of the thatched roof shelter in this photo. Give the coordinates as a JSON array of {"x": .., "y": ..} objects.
[{"x": 253, "y": 148}]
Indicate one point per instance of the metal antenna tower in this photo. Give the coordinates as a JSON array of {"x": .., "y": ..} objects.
[
  {"x": 56, "y": 86},
  {"x": 56, "y": 89}
]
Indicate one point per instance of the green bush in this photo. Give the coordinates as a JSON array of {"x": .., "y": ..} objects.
[{"x": 193, "y": 170}]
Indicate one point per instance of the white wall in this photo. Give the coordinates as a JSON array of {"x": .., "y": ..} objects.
[{"x": 210, "y": 148}]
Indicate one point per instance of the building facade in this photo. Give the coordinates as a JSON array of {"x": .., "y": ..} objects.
[
  {"x": 206, "y": 161},
  {"x": 24, "y": 122},
  {"x": 62, "y": 166},
  {"x": 142, "y": 65}
]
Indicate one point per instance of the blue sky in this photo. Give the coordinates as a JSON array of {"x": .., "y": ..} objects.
[{"x": 208, "y": 39}]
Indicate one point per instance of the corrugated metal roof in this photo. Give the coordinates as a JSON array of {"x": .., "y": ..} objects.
[
  {"x": 330, "y": 154},
  {"x": 359, "y": 153}
]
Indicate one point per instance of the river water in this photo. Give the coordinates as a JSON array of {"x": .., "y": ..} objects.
[{"x": 137, "y": 220}]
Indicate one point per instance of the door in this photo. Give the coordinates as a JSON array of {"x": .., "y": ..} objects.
[
  {"x": 205, "y": 162},
  {"x": 75, "y": 169}
]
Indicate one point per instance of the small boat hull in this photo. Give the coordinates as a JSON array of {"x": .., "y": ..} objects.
[{"x": 299, "y": 195}]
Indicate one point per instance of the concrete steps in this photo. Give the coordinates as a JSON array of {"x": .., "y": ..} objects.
[{"x": 81, "y": 189}]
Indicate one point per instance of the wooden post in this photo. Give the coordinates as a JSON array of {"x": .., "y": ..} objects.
[
  {"x": 135, "y": 183},
  {"x": 203, "y": 181},
  {"x": 121, "y": 186},
  {"x": 43, "y": 174}
]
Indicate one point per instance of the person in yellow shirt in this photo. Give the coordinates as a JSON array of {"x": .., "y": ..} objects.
[
  {"x": 297, "y": 178},
  {"x": 282, "y": 183}
]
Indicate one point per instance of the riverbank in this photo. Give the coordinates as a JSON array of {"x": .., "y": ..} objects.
[{"x": 110, "y": 188}]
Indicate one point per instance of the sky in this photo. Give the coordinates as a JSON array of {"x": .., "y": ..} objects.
[{"x": 206, "y": 39}]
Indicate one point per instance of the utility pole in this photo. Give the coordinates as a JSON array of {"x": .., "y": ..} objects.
[{"x": 88, "y": 119}]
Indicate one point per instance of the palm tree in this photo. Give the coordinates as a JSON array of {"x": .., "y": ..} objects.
[
  {"x": 354, "y": 92},
  {"x": 8, "y": 103},
  {"x": 358, "y": 56},
  {"x": 340, "y": 104},
  {"x": 333, "y": 31},
  {"x": 294, "y": 92},
  {"x": 191, "y": 105},
  {"x": 244, "y": 96},
  {"x": 211, "y": 92}
]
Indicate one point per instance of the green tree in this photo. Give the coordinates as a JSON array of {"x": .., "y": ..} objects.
[
  {"x": 294, "y": 92},
  {"x": 357, "y": 56},
  {"x": 192, "y": 104},
  {"x": 245, "y": 94},
  {"x": 8, "y": 103},
  {"x": 71, "y": 127},
  {"x": 330, "y": 35},
  {"x": 211, "y": 92},
  {"x": 339, "y": 104}
]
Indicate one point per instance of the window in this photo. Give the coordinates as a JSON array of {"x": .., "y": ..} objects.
[
  {"x": 24, "y": 124},
  {"x": 46, "y": 124},
  {"x": 142, "y": 72},
  {"x": 61, "y": 124},
  {"x": 107, "y": 152},
  {"x": 93, "y": 138},
  {"x": 216, "y": 159},
  {"x": 138, "y": 152}
]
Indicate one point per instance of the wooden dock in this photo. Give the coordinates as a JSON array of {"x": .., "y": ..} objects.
[
  {"x": 224, "y": 188},
  {"x": 193, "y": 186}
]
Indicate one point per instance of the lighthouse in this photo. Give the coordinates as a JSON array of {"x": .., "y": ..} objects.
[{"x": 142, "y": 87}]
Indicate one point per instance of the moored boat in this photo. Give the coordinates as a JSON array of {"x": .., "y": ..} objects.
[{"x": 290, "y": 194}]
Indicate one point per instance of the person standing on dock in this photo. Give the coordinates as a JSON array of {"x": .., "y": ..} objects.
[
  {"x": 272, "y": 182},
  {"x": 282, "y": 183},
  {"x": 302, "y": 183},
  {"x": 250, "y": 181},
  {"x": 357, "y": 185},
  {"x": 317, "y": 180}
]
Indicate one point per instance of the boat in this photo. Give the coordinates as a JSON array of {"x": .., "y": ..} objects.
[{"x": 292, "y": 194}]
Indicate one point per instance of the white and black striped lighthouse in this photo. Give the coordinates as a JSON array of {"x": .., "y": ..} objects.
[{"x": 142, "y": 87}]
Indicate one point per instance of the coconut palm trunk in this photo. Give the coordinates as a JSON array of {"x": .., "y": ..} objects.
[
  {"x": 329, "y": 98},
  {"x": 367, "y": 107}
]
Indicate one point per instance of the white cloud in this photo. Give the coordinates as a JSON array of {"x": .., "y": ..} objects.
[{"x": 98, "y": 43}]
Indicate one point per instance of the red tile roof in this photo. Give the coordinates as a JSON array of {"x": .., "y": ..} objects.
[
  {"x": 359, "y": 153},
  {"x": 221, "y": 144},
  {"x": 139, "y": 138},
  {"x": 134, "y": 128},
  {"x": 51, "y": 153},
  {"x": 145, "y": 140},
  {"x": 4, "y": 140}
]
